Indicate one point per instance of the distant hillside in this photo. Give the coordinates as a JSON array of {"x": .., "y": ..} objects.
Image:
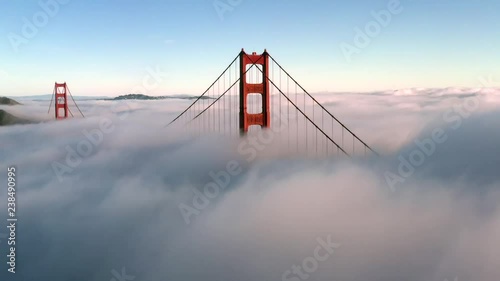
[
  {"x": 123, "y": 97},
  {"x": 145, "y": 97},
  {"x": 7, "y": 119},
  {"x": 49, "y": 97},
  {"x": 7, "y": 101}
]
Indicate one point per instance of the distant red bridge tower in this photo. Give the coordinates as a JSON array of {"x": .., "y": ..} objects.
[
  {"x": 61, "y": 100},
  {"x": 262, "y": 119}
]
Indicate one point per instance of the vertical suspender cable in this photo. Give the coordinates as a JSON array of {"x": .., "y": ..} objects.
[
  {"x": 288, "y": 110},
  {"x": 52, "y": 98}
]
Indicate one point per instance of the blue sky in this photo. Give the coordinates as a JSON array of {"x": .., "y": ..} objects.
[{"x": 103, "y": 47}]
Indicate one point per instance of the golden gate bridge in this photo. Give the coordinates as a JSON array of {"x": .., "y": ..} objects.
[{"x": 256, "y": 93}]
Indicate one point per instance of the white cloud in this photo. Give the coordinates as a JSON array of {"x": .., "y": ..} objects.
[{"x": 119, "y": 207}]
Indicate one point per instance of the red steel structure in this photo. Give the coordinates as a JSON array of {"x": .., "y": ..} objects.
[
  {"x": 61, "y": 100},
  {"x": 262, "y": 119}
]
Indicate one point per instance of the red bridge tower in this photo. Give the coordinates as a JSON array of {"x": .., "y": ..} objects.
[
  {"x": 61, "y": 100},
  {"x": 262, "y": 119}
]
